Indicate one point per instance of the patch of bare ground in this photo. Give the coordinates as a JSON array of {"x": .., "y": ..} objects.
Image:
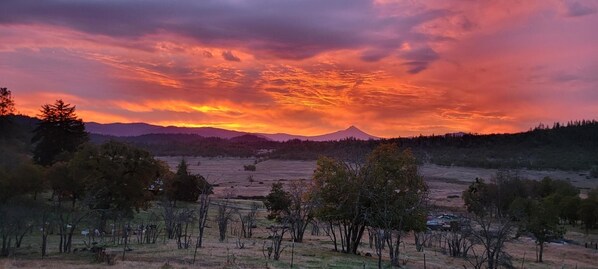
[
  {"x": 468, "y": 174},
  {"x": 315, "y": 252},
  {"x": 446, "y": 187}
]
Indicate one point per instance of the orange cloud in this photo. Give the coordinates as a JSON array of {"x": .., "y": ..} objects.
[{"x": 393, "y": 68}]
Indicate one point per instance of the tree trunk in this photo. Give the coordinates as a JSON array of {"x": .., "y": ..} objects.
[
  {"x": 332, "y": 235},
  {"x": 393, "y": 248}
]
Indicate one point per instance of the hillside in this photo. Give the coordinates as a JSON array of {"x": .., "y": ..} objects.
[
  {"x": 139, "y": 129},
  {"x": 570, "y": 146}
]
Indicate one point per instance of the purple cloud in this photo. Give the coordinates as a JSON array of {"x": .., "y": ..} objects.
[
  {"x": 578, "y": 9},
  {"x": 229, "y": 56},
  {"x": 288, "y": 30}
]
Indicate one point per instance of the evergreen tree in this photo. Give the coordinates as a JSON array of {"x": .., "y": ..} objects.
[
  {"x": 7, "y": 104},
  {"x": 185, "y": 186},
  {"x": 7, "y": 107},
  {"x": 59, "y": 132}
]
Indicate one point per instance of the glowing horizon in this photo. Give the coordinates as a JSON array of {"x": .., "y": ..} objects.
[{"x": 391, "y": 68}]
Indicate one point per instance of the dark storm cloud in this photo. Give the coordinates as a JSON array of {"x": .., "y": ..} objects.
[
  {"x": 579, "y": 8},
  {"x": 288, "y": 29},
  {"x": 419, "y": 59},
  {"x": 373, "y": 55},
  {"x": 229, "y": 56}
]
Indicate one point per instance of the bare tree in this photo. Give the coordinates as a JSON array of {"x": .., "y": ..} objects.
[
  {"x": 17, "y": 218},
  {"x": 276, "y": 235},
  {"x": 491, "y": 233},
  {"x": 248, "y": 220},
  {"x": 223, "y": 216},
  {"x": 45, "y": 226},
  {"x": 329, "y": 230},
  {"x": 458, "y": 239},
  {"x": 301, "y": 209},
  {"x": 184, "y": 219},
  {"x": 379, "y": 237},
  {"x": 169, "y": 215},
  {"x": 424, "y": 239},
  {"x": 68, "y": 222},
  {"x": 202, "y": 215}
]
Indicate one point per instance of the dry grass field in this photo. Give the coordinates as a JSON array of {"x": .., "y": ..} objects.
[{"x": 446, "y": 185}]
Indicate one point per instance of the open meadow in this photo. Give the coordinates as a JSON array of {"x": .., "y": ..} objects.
[
  {"x": 228, "y": 173},
  {"x": 229, "y": 176}
]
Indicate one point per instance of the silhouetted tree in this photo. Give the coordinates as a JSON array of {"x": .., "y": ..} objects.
[
  {"x": 58, "y": 132},
  {"x": 7, "y": 107},
  {"x": 7, "y": 104},
  {"x": 117, "y": 176},
  {"x": 185, "y": 186},
  {"x": 588, "y": 213},
  {"x": 490, "y": 229},
  {"x": 64, "y": 184},
  {"x": 223, "y": 216}
]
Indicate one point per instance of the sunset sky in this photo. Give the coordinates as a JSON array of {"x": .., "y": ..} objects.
[{"x": 391, "y": 68}]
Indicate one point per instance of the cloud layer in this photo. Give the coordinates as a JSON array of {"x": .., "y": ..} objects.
[{"x": 307, "y": 67}]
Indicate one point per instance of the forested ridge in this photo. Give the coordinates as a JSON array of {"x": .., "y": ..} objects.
[{"x": 569, "y": 146}]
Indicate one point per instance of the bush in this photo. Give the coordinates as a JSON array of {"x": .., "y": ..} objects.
[
  {"x": 249, "y": 167},
  {"x": 594, "y": 171}
]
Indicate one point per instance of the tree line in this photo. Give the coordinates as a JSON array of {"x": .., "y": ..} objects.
[
  {"x": 568, "y": 146},
  {"x": 59, "y": 181},
  {"x": 373, "y": 191}
]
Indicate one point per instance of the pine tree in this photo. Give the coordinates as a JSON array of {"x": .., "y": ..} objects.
[{"x": 58, "y": 134}]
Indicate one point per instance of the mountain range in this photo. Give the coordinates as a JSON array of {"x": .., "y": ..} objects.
[{"x": 137, "y": 129}]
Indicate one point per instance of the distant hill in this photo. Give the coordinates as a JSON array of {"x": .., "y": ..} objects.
[
  {"x": 352, "y": 131},
  {"x": 570, "y": 146},
  {"x": 192, "y": 144},
  {"x": 137, "y": 129}
]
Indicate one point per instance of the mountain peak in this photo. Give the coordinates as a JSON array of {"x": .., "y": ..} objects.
[
  {"x": 353, "y": 128},
  {"x": 137, "y": 129}
]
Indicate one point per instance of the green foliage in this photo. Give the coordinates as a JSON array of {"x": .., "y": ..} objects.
[
  {"x": 116, "y": 176},
  {"x": 18, "y": 175},
  {"x": 507, "y": 188},
  {"x": 521, "y": 208},
  {"x": 588, "y": 210},
  {"x": 337, "y": 190},
  {"x": 544, "y": 224},
  {"x": 568, "y": 208},
  {"x": 340, "y": 195},
  {"x": 29, "y": 178},
  {"x": 18, "y": 216},
  {"x": 249, "y": 167},
  {"x": 64, "y": 184},
  {"x": 478, "y": 198},
  {"x": 278, "y": 202},
  {"x": 386, "y": 193},
  {"x": 58, "y": 134},
  {"x": 184, "y": 186},
  {"x": 395, "y": 190},
  {"x": 549, "y": 186}
]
